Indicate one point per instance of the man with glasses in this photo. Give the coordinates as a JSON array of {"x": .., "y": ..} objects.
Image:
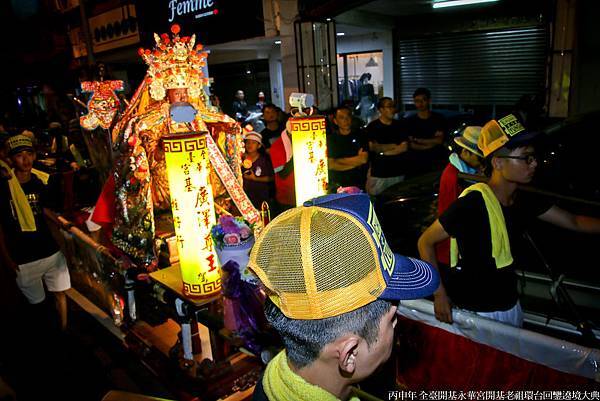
[
  {"x": 388, "y": 144},
  {"x": 485, "y": 224}
]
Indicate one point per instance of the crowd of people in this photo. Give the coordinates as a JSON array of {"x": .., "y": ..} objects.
[
  {"x": 326, "y": 333},
  {"x": 372, "y": 157},
  {"x": 339, "y": 328}
]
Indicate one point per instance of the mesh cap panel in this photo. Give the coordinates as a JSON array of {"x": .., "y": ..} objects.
[
  {"x": 277, "y": 254},
  {"x": 492, "y": 137},
  {"x": 341, "y": 250},
  {"x": 318, "y": 263}
]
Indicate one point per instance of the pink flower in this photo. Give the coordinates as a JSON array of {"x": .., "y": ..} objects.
[
  {"x": 231, "y": 239},
  {"x": 349, "y": 190},
  {"x": 245, "y": 232}
]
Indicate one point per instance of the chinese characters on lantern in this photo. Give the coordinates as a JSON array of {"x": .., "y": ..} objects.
[
  {"x": 309, "y": 147},
  {"x": 192, "y": 204}
]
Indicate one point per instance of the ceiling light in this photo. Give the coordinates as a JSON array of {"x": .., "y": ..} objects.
[
  {"x": 371, "y": 63},
  {"x": 278, "y": 42},
  {"x": 340, "y": 34},
  {"x": 455, "y": 3}
]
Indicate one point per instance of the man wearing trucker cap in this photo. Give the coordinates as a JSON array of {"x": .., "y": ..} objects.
[
  {"x": 28, "y": 246},
  {"x": 332, "y": 282},
  {"x": 486, "y": 222}
]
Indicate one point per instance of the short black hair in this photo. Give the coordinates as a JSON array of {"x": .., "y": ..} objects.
[
  {"x": 335, "y": 111},
  {"x": 270, "y": 105},
  {"x": 382, "y": 100},
  {"x": 422, "y": 91},
  {"x": 304, "y": 339},
  {"x": 503, "y": 151}
]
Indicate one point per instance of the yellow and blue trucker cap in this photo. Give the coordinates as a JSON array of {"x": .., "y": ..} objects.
[
  {"x": 506, "y": 130},
  {"x": 329, "y": 257}
]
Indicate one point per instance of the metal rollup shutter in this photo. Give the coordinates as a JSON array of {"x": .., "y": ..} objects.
[{"x": 477, "y": 68}]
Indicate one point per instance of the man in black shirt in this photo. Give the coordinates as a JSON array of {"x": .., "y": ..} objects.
[
  {"x": 487, "y": 222},
  {"x": 426, "y": 130},
  {"x": 347, "y": 151},
  {"x": 28, "y": 247},
  {"x": 239, "y": 107},
  {"x": 388, "y": 144},
  {"x": 272, "y": 129}
]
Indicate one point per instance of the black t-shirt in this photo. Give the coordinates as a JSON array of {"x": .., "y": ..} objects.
[
  {"x": 478, "y": 285},
  {"x": 240, "y": 106},
  {"x": 25, "y": 247},
  {"x": 387, "y": 166},
  {"x": 426, "y": 160},
  {"x": 340, "y": 146},
  {"x": 269, "y": 136},
  {"x": 424, "y": 128}
]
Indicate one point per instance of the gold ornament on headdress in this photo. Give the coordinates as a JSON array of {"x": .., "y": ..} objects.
[{"x": 175, "y": 63}]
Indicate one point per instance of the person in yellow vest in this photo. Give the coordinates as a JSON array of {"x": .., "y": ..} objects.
[
  {"x": 486, "y": 222},
  {"x": 333, "y": 285},
  {"x": 27, "y": 245}
]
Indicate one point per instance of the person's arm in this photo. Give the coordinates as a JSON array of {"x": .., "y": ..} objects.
[
  {"x": 278, "y": 160},
  {"x": 249, "y": 175},
  {"x": 287, "y": 169},
  {"x": 562, "y": 218},
  {"x": 343, "y": 164},
  {"x": 348, "y": 163},
  {"x": 397, "y": 149},
  {"x": 388, "y": 149},
  {"x": 377, "y": 147},
  {"x": 435, "y": 233},
  {"x": 423, "y": 144}
]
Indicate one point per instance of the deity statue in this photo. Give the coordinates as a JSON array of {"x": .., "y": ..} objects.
[{"x": 174, "y": 84}]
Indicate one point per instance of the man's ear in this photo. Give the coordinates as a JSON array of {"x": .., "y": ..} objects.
[
  {"x": 497, "y": 163},
  {"x": 348, "y": 351}
]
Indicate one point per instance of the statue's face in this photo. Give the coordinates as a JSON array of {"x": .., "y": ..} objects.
[{"x": 177, "y": 95}]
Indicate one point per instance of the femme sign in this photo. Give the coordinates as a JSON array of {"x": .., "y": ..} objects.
[
  {"x": 196, "y": 8},
  {"x": 205, "y": 18}
]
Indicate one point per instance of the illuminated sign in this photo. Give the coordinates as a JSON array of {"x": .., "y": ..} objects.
[
  {"x": 208, "y": 19},
  {"x": 192, "y": 203},
  {"x": 309, "y": 147},
  {"x": 196, "y": 8}
]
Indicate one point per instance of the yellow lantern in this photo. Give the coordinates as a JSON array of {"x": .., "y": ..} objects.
[
  {"x": 309, "y": 147},
  {"x": 192, "y": 203}
]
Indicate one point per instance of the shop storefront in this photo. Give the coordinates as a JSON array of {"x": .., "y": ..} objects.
[{"x": 475, "y": 60}]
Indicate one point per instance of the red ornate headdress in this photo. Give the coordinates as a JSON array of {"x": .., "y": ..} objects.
[{"x": 175, "y": 63}]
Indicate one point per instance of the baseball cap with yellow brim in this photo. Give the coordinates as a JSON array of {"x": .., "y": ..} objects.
[
  {"x": 502, "y": 132},
  {"x": 330, "y": 257}
]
